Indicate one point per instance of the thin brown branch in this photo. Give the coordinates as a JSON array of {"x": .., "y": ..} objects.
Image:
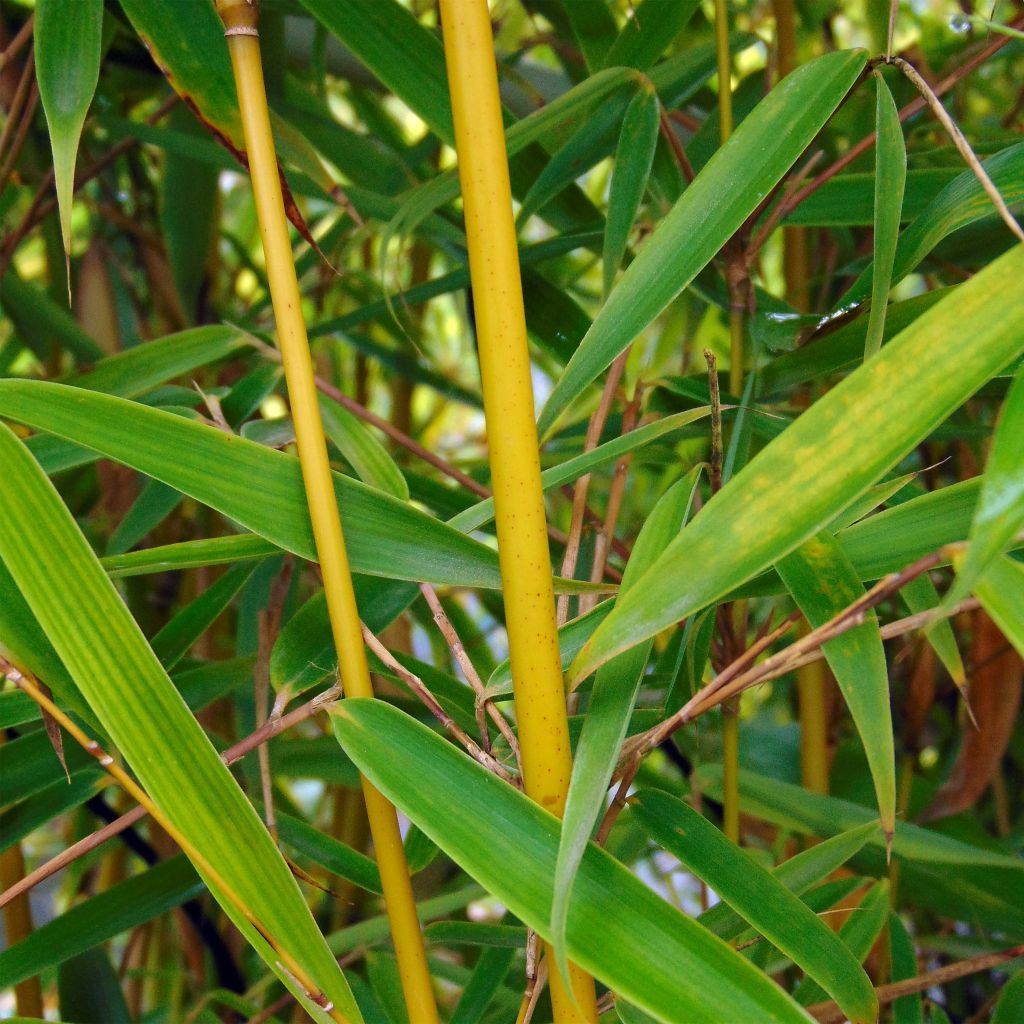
[
  {"x": 829, "y": 1013},
  {"x": 17, "y": 44},
  {"x": 962, "y": 145},
  {"x": 431, "y": 703},
  {"x": 267, "y": 732},
  {"x": 992, "y": 47},
  {"x": 484, "y": 703},
  {"x": 715, "y": 470},
  {"x": 582, "y": 487}
]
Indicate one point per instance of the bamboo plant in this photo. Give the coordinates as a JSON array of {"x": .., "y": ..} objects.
[{"x": 344, "y": 338}]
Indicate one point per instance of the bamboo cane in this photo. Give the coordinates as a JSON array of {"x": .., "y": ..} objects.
[
  {"x": 539, "y": 689},
  {"x": 240, "y": 18}
]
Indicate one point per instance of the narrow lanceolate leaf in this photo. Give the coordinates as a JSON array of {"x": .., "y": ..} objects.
[
  {"x": 130, "y": 693},
  {"x": 823, "y": 582},
  {"x": 366, "y": 454},
  {"x": 633, "y": 159},
  {"x": 1001, "y": 592},
  {"x": 833, "y": 453},
  {"x": 920, "y": 595},
  {"x": 717, "y": 202},
  {"x": 797, "y": 875},
  {"x": 68, "y": 41},
  {"x": 1000, "y": 512},
  {"x": 482, "y": 512},
  {"x": 761, "y": 898},
  {"x": 253, "y": 485},
  {"x": 890, "y": 179},
  {"x": 607, "y": 718},
  {"x": 137, "y": 370},
  {"x": 618, "y": 929},
  {"x": 857, "y": 936},
  {"x": 648, "y": 33}
]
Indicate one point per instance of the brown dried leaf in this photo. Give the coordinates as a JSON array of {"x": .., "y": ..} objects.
[{"x": 995, "y": 689}]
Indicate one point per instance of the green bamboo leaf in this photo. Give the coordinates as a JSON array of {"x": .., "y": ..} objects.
[
  {"x": 385, "y": 537},
  {"x": 585, "y": 148},
  {"x": 125, "y": 905},
  {"x": 328, "y": 852},
  {"x": 172, "y": 643},
  {"x": 857, "y": 936},
  {"x": 594, "y": 27},
  {"x": 188, "y": 554},
  {"x": 488, "y": 977},
  {"x": 819, "y": 464},
  {"x": 823, "y": 582},
  {"x": 1001, "y": 592},
  {"x": 848, "y": 200},
  {"x": 153, "y": 505},
  {"x": 903, "y": 959},
  {"x": 708, "y": 213},
  {"x": 90, "y": 990},
  {"x": 608, "y": 713},
  {"x": 1010, "y": 1007},
  {"x": 839, "y": 349},
  {"x": 55, "y": 799},
  {"x": 890, "y": 179},
  {"x": 619, "y": 930},
  {"x": 482, "y": 512},
  {"x": 797, "y": 875},
  {"x": 793, "y": 807},
  {"x": 118, "y": 674},
  {"x": 186, "y": 41},
  {"x": 68, "y": 45},
  {"x": 1000, "y": 512},
  {"x": 920, "y": 595},
  {"x": 402, "y": 53},
  {"x": 648, "y": 33},
  {"x": 40, "y": 322},
  {"x": 954, "y": 879},
  {"x": 963, "y": 201},
  {"x": 367, "y": 455},
  {"x": 761, "y": 898},
  {"x": 633, "y": 159},
  {"x": 137, "y": 370}
]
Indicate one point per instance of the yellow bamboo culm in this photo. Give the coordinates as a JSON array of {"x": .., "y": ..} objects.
[
  {"x": 539, "y": 689},
  {"x": 240, "y": 18}
]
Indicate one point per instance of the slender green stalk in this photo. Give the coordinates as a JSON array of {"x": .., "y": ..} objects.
[
  {"x": 508, "y": 404},
  {"x": 240, "y": 18}
]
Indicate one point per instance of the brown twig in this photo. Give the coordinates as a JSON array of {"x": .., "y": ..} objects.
[
  {"x": 430, "y": 702},
  {"x": 484, "y": 703},
  {"x": 669, "y": 133},
  {"x": 582, "y": 487},
  {"x": 829, "y": 1013},
  {"x": 286, "y": 962},
  {"x": 962, "y": 145},
  {"x": 606, "y": 535},
  {"x": 24, "y": 123},
  {"x": 274, "y": 727},
  {"x": 17, "y": 44},
  {"x": 715, "y": 465},
  {"x": 915, "y": 106}
]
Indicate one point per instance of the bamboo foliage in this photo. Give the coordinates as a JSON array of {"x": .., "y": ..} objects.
[{"x": 388, "y": 322}]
